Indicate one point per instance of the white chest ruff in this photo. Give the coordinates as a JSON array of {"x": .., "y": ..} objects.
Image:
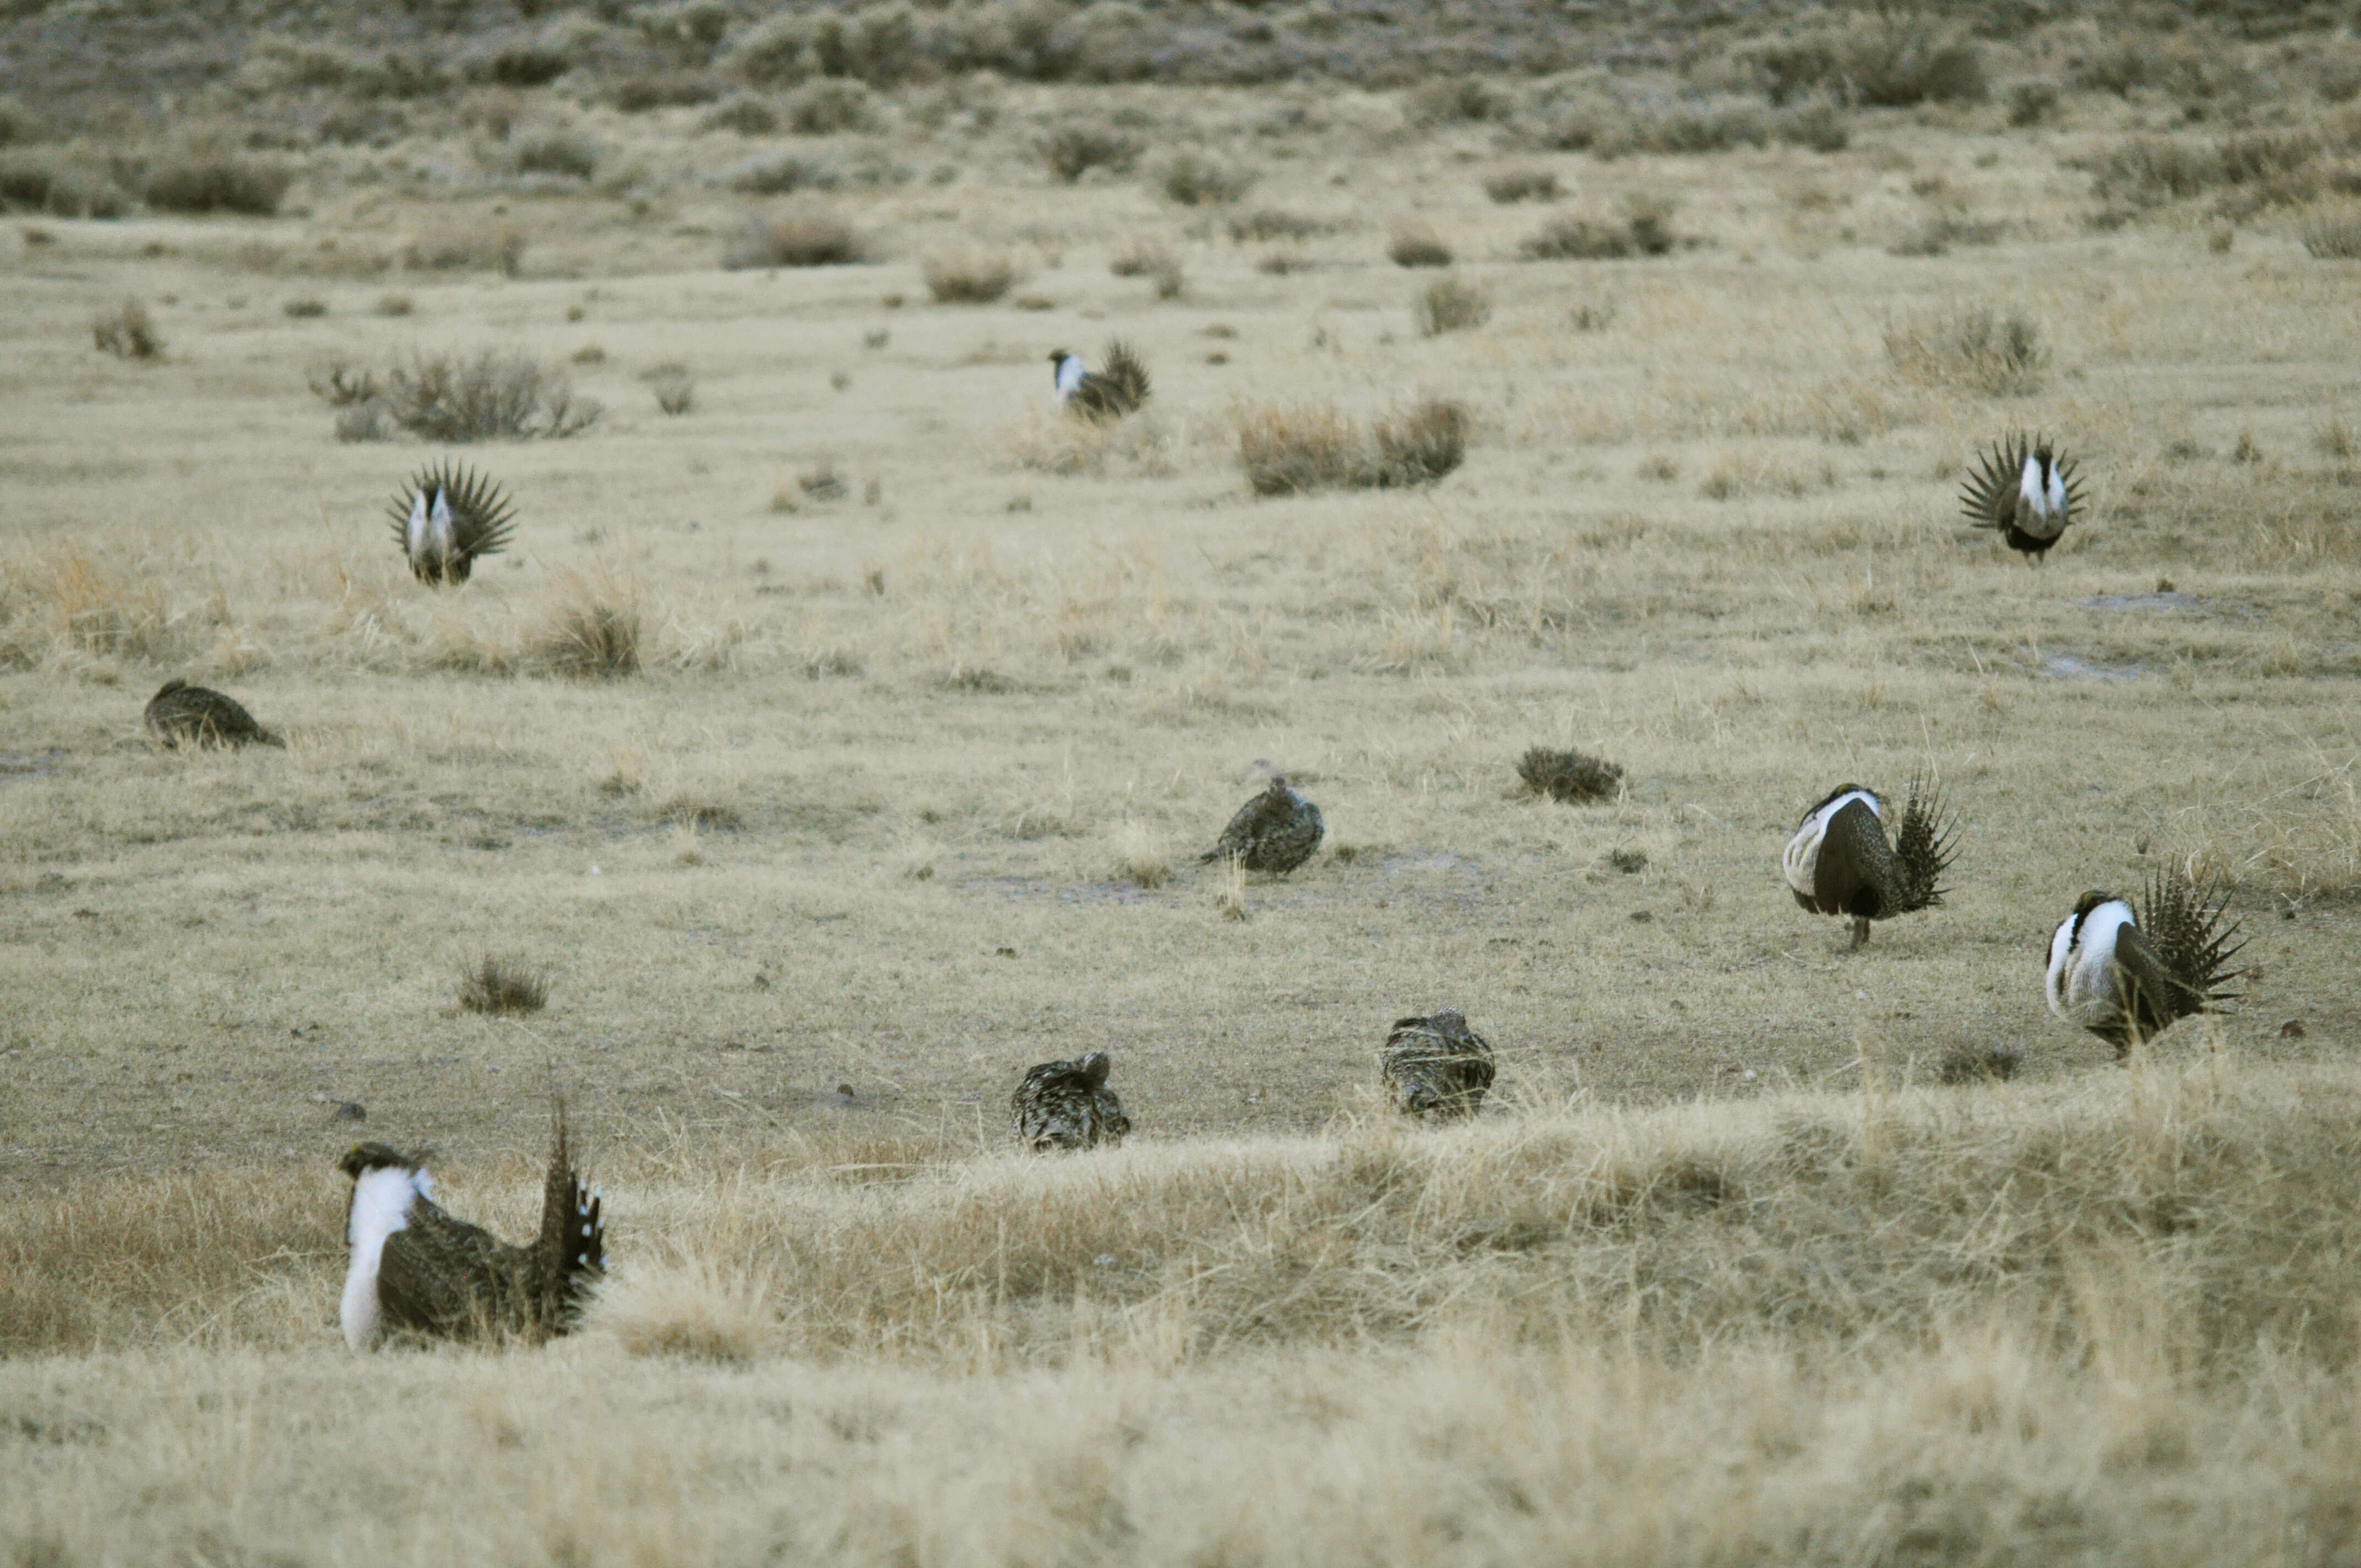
[
  {"x": 1802, "y": 860},
  {"x": 381, "y": 1200},
  {"x": 2082, "y": 987},
  {"x": 1070, "y": 376}
]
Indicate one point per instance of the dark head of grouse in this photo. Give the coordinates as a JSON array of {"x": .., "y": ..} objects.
[
  {"x": 2027, "y": 490},
  {"x": 183, "y": 715},
  {"x": 1068, "y": 1105},
  {"x": 1276, "y": 831},
  {"x": 1113, "y": 390},
  {"x": 445, "y": 517},
  {"x": 1840, "y": 861},
  {"x": 415, "y": 1269},
  {"x": 2128, "y": 978},
  {"x": 1436, "y": 1067}
]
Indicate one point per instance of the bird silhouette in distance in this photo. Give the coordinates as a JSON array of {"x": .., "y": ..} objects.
[
  {"x": 2023, "y": 488},
  {"x": 1436, "y": 1067},
  {"x": 1113, "y": 390},
  {"x": 183, "y": 715},
  {"x": 1067, "y": 1105},
  {"x": 445, "y": 517},
  {"x": 415, "y": 1269},
  {"x": 1841, "y": 862},
  {"x": 2128, "y": 978}
]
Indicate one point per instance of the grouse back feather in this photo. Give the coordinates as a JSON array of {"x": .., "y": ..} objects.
[
  {"x": 415, "y": 1269},
  {"x": 181, "y": 714},
  {"x": 2128, "y": 978},
  {"x": 1067, "y": 1105},
  {"x": 1839, "y": 860},
  {"x": 1436, "y": 1067},
  {"x": 445, "y": 517},
  {"x": 2027, "y": 490},
  {"x": 1276, "y": 831},
  {"x": 1117, "y": 388}
]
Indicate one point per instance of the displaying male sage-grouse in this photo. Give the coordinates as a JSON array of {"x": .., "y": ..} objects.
[
  {"x": 2025, "y": 490},
  {"x": 1840, "y": 862},
  {"x": 445, "y": 517},
  {"x": 183, "y": 715},
  {"x": 416, "y": 1269},
  {"x": 1067, "y": 1105},
  {"x": 1436, "y": 1067},
  {"x": 1275, "y": 831},
  {"x": 1109, "y": 392},
  {"x": 2128, "y": 978}
]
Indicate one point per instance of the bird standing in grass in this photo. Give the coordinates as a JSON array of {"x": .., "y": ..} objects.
[
  {"x": 2023, "y": 488},
  {"x": 183, "y": 715},
  {"x": 1276, "y": 831},
  {"x": 1067, "y": 1105},
  {"x": 1840, "y": 862},
  {"x": 1436, "y": 1067},
  {"x": 2128, "y": 978},
  {"x": 444, "y": 518},
  {"x": 1110, "y": 392},
  {"x": 414, "y": 1268}
]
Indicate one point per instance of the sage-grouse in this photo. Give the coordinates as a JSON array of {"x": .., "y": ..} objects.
[
  {"x": 1109, "y": 392},
  {"x": 1436, "y": 1067},
  {"x": 1276, "y": 831},
  {"x": 2128, "y": 978},
  {"x": 416, "y": 1269},
  {"x": 1840, "y": 862},
  {"x": 2025, "y": 490},
  {"x": 1067, "y": 1105},
  {"x": 183, "y": 715},
  {"x": 445, "y": 517}
]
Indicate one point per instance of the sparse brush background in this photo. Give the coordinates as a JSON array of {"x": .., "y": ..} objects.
[{"x": 859, "y": 723}]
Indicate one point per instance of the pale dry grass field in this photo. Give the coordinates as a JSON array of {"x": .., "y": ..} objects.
[{"x": 836, "y": 748}]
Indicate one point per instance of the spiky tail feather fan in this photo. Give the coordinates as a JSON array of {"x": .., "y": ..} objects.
[
  {"x": 1923, "y": 847},
  {"x": 1115, "y": 389},
  {"x": 570, "y": 1254},
  {"x": 481, "y": 519},
  {"x": 2182, "y": 925},
  {"x": 2000, "y": 470}
]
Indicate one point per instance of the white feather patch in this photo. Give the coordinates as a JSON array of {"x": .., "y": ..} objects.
[
  {"x": 418, "y": 526},
  {"x": 1070, "y": 376},
  {"x": 439, "y": 526},
  {"x": 2083, "y": 962},
  {"x": 1802, "y": 860},
  {"x": 381, "y": 1200}
]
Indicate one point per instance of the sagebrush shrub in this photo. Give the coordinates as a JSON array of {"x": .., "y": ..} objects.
[
  {"x": 127, "y": 333},
  {"x": 807, "y": 240}
]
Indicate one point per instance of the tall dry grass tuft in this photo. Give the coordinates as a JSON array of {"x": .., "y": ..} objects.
[
  {"x": 802, "y": 240},
  {"x": 1294, "y": 450},
  {"x": 1971, "y": 347},
  {"x": 503, "y": 984},
  {"x": 1142, "y": 856},
  {"x": 127, "y": 331},
  {"x": 68, "y": 605},
  {"x": 594, "y": 632},
  {"x": 968, "y": 277},
  {"x": 699, "y": 1310},
  {"x": 1449, "y": 304},
  {"x": 450, "y": 398}
]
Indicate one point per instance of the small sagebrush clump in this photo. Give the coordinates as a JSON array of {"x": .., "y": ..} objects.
[
  {"x": 215, "y": 182},
  {"x": 1073, "y": 151},
  {"x": 2333, "y": 236},
  {"x": 967, "y": 278},
  {"x": 1418, "y": 247},
  {"x": 127, "y": 333},
  {"x": 1647, "y": 230},
  {"x": 1192, "y": 179},
  {"x": 1290, "y": 451},
  {"x": 1571, "y": 776},
  {"x": 594, "y": 634},
  {"x": 1448, "y": 304},
  {"x": 802, "y": 241},
  {"x": 502, "y": 983},
  {"x": 446, "y": 398},
  {"x": 675, "y": 387},
  {"x": 1971, "y": 346},
  {"x": 458, "y": 245},
  {"x": 1521, "y": 185}
]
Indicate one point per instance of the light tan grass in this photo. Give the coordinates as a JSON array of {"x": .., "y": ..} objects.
[
  {"x": 1142, "y": 856},
  {"x": 595, "y": 631},
  {"x": 1975, "y": 347}
]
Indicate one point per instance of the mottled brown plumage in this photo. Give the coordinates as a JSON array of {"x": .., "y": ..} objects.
[
  {"x": 1841, "y": 862},
  {"x": 1276, "y": 831},
  {"x": 1067, "y": 1105},
  {"x": 1436, "y": 1067},
  {"x": 442, "y": 1277},
  {"x": 183, "y": 715},
  {"x": 1115, "y": 389},
  {"x": 2129, "y": 979}
]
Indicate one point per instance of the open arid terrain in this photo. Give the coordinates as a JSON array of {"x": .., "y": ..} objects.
[{"x": 838, "y": 733}]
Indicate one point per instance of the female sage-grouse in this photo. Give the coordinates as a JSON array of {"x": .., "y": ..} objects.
[
  {"x": 2025, "y": 490},
  {"x": 1436, "y": 1067},
  {"x": 444, "y": 518},
  {"x": 183, "y": 715},
  {"x": 1839, "y": 862},
  {"x": 1067, "y": 1105},
  {"x": 1275, "y": 831},
  {"x": 415, "y": 1269},
  {"x": 2128, "y": 978},
  {"x": 1109, "y": 392}
]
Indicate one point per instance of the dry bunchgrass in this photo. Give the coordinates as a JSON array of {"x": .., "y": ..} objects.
[
  {"x": 1142, "y": 856},
  {"x": 800, "y": 240},
  {"x": 1418, "y": 247},
  {"x": 1294, "y": 450},
  {"x": 452, "y": 243},
  {"x": 503, "y": 984},
  {"x": 968, "y": 277},
  {"x": 1450, "y": 304},
  {"x": 597, "y": 631},
  {"x": 1566, "y": 776},
  {"x": 494, "y": 396},
  {"x": 674, "y": 386},
  {"x": 1973, "y": 347},
  {"x": 2332, "y": 235}
]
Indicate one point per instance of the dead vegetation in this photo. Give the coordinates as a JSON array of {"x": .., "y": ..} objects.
[
  {"x": 1568, "y": 776},
  {"x": 127, "y": 331},
  {"x": 502, "y": 984},
  {"x": 494, "y": 396},
  {"x": 969, "y": 277},
  {"x": 1973, "y": 347},
  {"x": 1294, "y": 450},
  {"x": 802, "y": 240}
]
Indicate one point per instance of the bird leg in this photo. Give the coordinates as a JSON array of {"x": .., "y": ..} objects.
[{"x": 1860, "y": 933}]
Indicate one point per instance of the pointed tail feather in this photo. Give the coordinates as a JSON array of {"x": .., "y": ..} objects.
[
  {"x": 2184, "y": 927},
  {"x": 1925, "y": 845},
  {"x": 570, "y": 1254}
]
